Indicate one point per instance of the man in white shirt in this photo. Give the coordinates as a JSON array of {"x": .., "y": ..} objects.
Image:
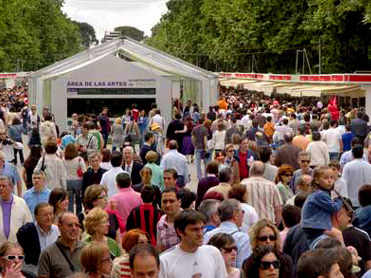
[
  {"x": 190, "y": 258},
  {"x": 246, "y": 121},
  {"x": 333, "y": 140},
  {"x": 356, "y": 173},
  {"x": 109, "y": 177},
  {"x": 175, "y": 160}
]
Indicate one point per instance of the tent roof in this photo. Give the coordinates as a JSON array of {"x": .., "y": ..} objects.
[{"x": 137, "y": 51}]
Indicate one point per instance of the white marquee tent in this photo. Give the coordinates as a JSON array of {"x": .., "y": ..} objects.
[{"x": 121, "y": 70}]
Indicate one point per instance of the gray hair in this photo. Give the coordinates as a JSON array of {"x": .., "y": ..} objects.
[
  {"x": 129, "y": 148},
  {"x": 2, "y": 178},
  {"x": 94, "y": 154},
  {"x": 208, "y": 208},
  {"x": 227, "y": 208},
  {"x": 257, "y": 168}
]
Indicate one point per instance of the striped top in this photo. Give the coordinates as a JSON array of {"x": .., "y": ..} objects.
[{"x": 121, "y": 267}]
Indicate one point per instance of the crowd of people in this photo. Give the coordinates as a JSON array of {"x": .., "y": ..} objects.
[{"x": 282, "y": 190}]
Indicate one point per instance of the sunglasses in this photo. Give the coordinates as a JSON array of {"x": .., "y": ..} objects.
[
  {"x": 13, "y": 257},
  {"x": 286, "y": 175},
  {"x": 265, "y": 238},
  {"x": 102, "y": 197},
  {"x": 229, "y": 249},
  {"x": 305, "y": 161},
  {"x": 267, "y": 265}
]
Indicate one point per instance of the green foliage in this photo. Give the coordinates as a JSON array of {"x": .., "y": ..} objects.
[
  {"x": 34, "y": 34},
  {"x": 232, "y": 35},
  {"x": 130, "y": 32},
  {"x": 87, "y": 34}
]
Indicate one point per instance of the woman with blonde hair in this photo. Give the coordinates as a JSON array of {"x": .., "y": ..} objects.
[
  {"x": 157, "y": 172},
  {"x": 265, "y": 233},
  {"x": 96, "y": 224},
  {"x": 121, "y": 267},
  {"x": 96, "y": 260},
  {"x": 117, "y": 134}
]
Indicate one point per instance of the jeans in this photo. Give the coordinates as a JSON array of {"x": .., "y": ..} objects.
[
  {"x": 74, "y": 193},
  {"x": 334, "y": 156},
  {"x": 206, "y": 160}
]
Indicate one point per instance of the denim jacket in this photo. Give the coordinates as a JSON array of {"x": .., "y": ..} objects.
[{"x": 317, "y": 210}]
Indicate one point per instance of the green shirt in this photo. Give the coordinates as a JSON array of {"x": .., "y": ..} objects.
[
  {"x": 285, "y": 192},
  {"x": 113, "y": 247}
]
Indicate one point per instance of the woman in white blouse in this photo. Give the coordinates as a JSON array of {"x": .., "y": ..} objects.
[
  {"x": 52, "y": 165},
  {"x": 75, "y": 168},
  {"x": 318, "y": 150}
]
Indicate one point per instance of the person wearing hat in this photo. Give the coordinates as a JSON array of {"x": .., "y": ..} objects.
[{"x": 159, "y": 138}]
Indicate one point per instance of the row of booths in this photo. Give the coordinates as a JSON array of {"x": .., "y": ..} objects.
[{"x": 353, "y": 94}]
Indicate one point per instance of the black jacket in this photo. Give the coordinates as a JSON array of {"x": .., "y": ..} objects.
[
  {"x": 135, "y": 176},
  {"x": 90, "y": 177},
  {"x": 28, "y": 238}
]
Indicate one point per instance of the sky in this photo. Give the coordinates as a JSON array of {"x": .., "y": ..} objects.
[{"x": 105, "y": 15}]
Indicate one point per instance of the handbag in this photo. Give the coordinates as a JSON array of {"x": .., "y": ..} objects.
[
  {"x": 79, "y": 171},
  {"x": 43, "y": 166}
]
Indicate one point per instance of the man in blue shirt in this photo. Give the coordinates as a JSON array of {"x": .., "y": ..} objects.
[
  {"x": 231, "y": 215},
  {"x": 174, "y": 159},
  {"x": 39, "y": 193},
  {"x": 9, "y": 170}
]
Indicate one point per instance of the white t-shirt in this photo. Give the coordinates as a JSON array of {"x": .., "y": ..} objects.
[
  {"x": 332, "y": 138},
  {"x": 250, "y": 217},
  {"x": 246, "y": 122},
  {"x": 206, "y": 262},
  {"x": 109, "y": 180}
]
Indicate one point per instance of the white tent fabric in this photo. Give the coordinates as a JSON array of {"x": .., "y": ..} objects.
[{"x": 201, "y": 83}]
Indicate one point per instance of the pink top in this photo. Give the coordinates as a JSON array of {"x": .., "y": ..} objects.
[{"x": 125, "y": 201}]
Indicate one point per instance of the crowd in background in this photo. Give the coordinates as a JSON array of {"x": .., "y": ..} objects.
[{"x": 282, "y": 189}]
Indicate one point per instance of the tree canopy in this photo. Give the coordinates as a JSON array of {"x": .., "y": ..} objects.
[
  {"x": 131, "y": 32},
  {"x": 87, "y": 33},
  {"x": 265, "y": 35},
  {"x": 34, "y": 34}
]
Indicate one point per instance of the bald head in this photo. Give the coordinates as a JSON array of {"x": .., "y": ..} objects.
[
  {"x": 257, "y": 168},
  {"x": 173, "y": 145}
]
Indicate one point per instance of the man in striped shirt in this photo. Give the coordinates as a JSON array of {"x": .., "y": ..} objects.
[{"x": 263, "y": 194}]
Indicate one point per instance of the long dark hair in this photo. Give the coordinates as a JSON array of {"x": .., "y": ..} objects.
[{"x": 33, "y": 157}]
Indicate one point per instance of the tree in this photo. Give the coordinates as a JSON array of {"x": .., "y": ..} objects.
[
  {"x": 227, "y": 35},
  {"x": 131, "y": 32},
  {"x": 87, "y": 34},
  {"x": 34, "y": 34}
]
